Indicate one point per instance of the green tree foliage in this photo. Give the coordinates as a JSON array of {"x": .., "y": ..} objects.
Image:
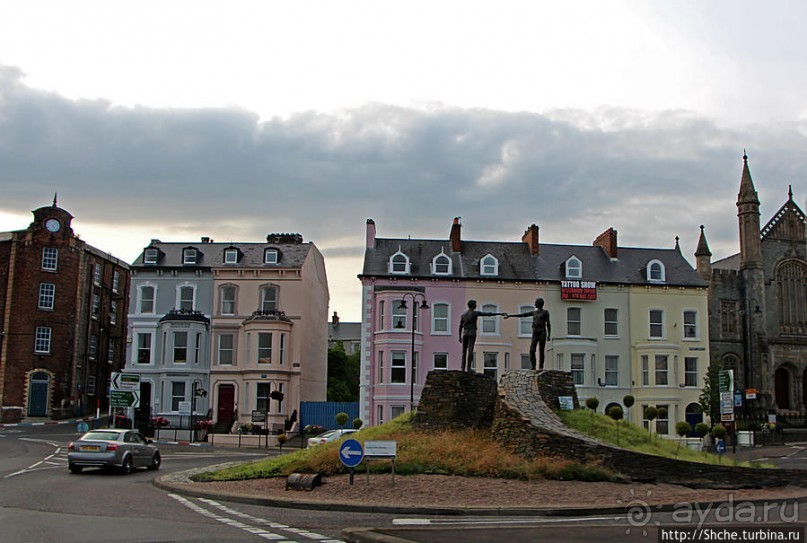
[
  {"x": 343, "y": 375},
  {"x": 592, "y": 403},
  {"x": 358, "y": 423},
  {"x": 710, "y": 397},
  {"x": 341, "y": 419},
  {"x": 701, "y": 429}
]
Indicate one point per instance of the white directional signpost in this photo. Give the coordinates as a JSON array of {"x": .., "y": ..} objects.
[
  {"x": 351, "y": 453},
  {"x": 386, "y": 450},
  {"x": 124, "y": 391}
]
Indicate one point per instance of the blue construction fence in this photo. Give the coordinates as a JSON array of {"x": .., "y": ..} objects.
[{"x": 324, "y": 413}]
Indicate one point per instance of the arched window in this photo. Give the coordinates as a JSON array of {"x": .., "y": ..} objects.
[
  {"x": 791, "y": 281},
  {"x": 489, "y": 265},
  {"x": 399, "y": 263},
  {"x": 271, "y": 256},
  {"x": 441, "y": 265},
  {"x": 574, "y": 268},
  {"x": 655, "y": 272}
]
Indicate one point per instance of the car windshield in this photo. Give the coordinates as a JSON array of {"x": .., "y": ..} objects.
[{"x": 100, "y": 436}]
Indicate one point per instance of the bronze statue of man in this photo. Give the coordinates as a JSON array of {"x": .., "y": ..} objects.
[
  {"x": 541, "y": 330},
  {"x": 468, "y": 332}
]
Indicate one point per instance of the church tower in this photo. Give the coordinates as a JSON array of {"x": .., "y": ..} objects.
[
  {"x": 752, "y": 275},
  {"x": 704, "y": 258}
]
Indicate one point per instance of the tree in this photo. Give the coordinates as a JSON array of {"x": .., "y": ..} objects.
[
  {"x": 710, "y": 397},
  {"x": 616, "y": 413},
  {"x": 682, "y": 429},
  {"x": 358, "y": 423},
  {"x": 592, "y": 403},
  {"x": 628, "y": 402},
  {"x": 341, "y": 419},
  {"x": 343, "y": 375}
]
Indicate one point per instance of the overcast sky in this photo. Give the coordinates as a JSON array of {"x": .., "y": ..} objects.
[{"x": 176, "y": 120}]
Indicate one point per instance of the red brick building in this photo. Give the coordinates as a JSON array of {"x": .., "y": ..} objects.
[{"x": 63, "y": 310}]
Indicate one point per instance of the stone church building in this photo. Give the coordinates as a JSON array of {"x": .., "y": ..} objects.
[{"x": 758, "y": 303}]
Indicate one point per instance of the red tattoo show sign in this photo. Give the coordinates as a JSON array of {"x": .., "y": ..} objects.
[{"x": 578, "y": 290}]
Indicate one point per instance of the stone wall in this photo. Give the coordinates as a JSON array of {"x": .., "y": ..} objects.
[
  {"x": 520, "y": 415},
  {"x": 456, "y": 399}
]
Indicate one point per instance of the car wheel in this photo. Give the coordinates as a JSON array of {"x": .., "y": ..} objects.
[
  {"x": 75, "y": 469},
  {"x": 155, "y": 462},
  {"x": 126, "y": 466}
]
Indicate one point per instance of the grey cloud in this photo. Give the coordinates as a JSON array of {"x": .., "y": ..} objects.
[{"x": 232, "y": 175}]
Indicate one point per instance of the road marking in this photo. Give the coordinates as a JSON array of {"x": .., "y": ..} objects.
[
  {"x": 253, "y": 521},
  {"x": 526, "y": 520}
]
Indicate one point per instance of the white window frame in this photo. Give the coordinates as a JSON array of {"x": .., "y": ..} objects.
[
  {"x": 489, "y": 266},
  {"x": 488, "y": 322},
  {"x": 525, "y": 323},
  {"x": 396, "y": 411},
  {"x": 577, "y": 366},
  {"x": 96, "y": 274},
  {"x": 398, "y": 367},
  {"x": 176, "y": 346},
  {"x": 441, "y": 261},
  {"x": 151, "y": 256},
  {"x": 656, "y": 324},
  {"x": 110, "y": 352},
  {"x": 96, "y": 306},
  {"x": 443, "y": 357},
  {"x": 380, "y": 368},
  {"x": 399, "y": 315},
  {"x": 113, "y": 312},
  {"x": 570, "y": 322},
  {"x": 189, "y": 256},
  {"x": 271, "y": 256},
  {"x": 611, "y": 363},
  {"x": 231, "y": 256},
  {"x": 180, "y": 288},
  {"x": 261, "y": 349},
  {"x": 614, "y": 322},
  {"x": 42, "y": 339},
  {"x": 225, "y": 349},
  {"x": 283, "y": 349},
  {"x": 50, "y": 258},
  {"x": 115, "y": 282},
  {"x": 268, "y": 304},
  {"x": 91, "y": 385},
  {"x": 223, "y": 299},
  {"x": 574, "y": 268},
  {"x": 176, "y": 396},
  {"x": 652, "y": 266},
  {"x": 490, "y": 364},
  {"x": 381, "y": 323},
  {"x": 660, "y": 370},
  {"x": 395, "y": 264},
  {"x": 144, "y": 346},
  {"x": 645, "y": 370},
  {"x": 92, "y": 347},
  {"x": 441, "y": 324},
  {"x": 140, "y": 298},
  {"x": 690, "y": 330},
  {"x": 690, "y": 372},
  {"x": 47, "y": 296}
]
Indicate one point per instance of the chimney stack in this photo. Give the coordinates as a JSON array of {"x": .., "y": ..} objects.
[
  {"x": 531, "y": 238},
  {"x": 370, "y": 236},
  {"x": 456, "y": 239},
  {"x": 607, "y": 240}
]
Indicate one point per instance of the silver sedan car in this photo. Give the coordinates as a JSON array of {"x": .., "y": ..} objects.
[{"x": 113, "y": 448}]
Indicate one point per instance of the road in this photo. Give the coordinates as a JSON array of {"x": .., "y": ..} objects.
[{"x": 40, "y": 501}]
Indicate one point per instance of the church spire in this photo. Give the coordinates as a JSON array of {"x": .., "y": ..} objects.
[
  {"x": 748, "y": 218},
  {"x": 55, "y": 194},
  {"x": 703, "y": 257}
]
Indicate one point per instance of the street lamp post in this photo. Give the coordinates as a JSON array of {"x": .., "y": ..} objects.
[{"x": 415, "y": 307}]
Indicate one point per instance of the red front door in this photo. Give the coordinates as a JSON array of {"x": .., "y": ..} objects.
[{"x": 226, "y": 403}]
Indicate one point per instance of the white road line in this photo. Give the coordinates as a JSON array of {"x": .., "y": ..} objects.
[
  {"x": 526, "y": 520},
  {"x": 305, "y": 533},
  {"x": 230, "y": 522}
]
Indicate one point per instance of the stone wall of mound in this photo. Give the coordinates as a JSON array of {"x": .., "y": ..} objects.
[{"x": 520, "y": 414}]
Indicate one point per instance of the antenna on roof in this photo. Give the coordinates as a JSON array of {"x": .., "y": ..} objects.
[{"x": 55, "y": 194}]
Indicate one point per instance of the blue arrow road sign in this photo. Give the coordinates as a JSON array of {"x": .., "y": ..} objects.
[{"x": 351, "y": 453}]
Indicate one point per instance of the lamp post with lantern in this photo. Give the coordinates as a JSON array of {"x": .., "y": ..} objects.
[{"x": 415, "y": 296}]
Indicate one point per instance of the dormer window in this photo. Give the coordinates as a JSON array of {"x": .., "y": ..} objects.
[
  {"x": 489, "y": 265},
  {"x": 189, "y": 256},
  {"x": 655, "y": 272},
  {"x": 231, "y": 256},
  {"x": 574, "y": 268},
  {"x": 151, "y": 255},
  {"x": 441, "y": 265},
  {"x": 399, "y": 263},
  {"x": 271, "y": 256}
]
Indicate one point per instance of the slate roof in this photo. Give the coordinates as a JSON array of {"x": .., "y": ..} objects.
[
  {"x": 516, "y": 263},
  {"x": 292, "y": 255}
]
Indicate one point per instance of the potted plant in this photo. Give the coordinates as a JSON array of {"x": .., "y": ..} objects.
[{"x": 202, "y": 428}]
